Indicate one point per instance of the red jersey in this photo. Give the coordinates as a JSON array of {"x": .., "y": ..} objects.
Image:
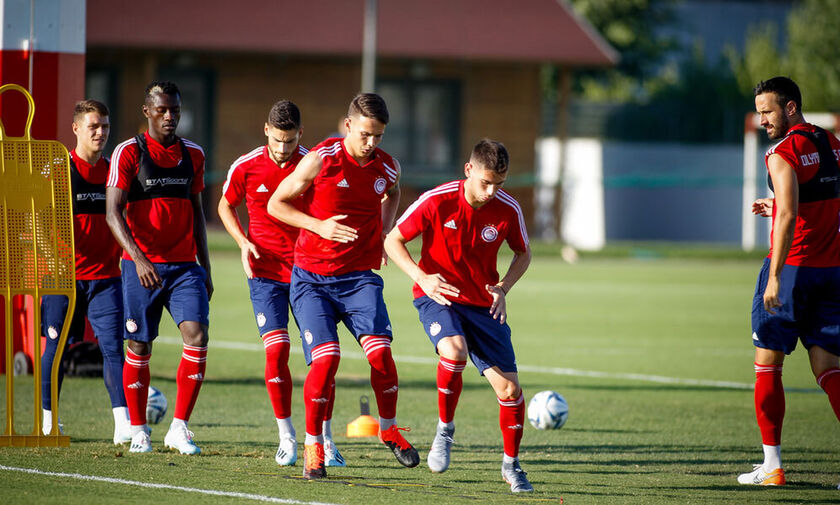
[
  {"x": 344, "y": 187},
  {"x": 816, "y": 236},
  {"x": 254, "y": 177},
  {"x": 97, "y": 251},
  {"x": 162, "y": 226},
  {"x": 461, "y": 242}
]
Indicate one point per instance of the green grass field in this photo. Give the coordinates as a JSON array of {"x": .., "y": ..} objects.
[{"x": 653, "y": 356}]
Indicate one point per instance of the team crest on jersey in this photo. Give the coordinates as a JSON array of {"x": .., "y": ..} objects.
[
  {"x": 260, "y": 319},
  {"x": 131, "y": 325},
  {"x": 489, "y": 233},
  {"x": 434, "y": 329},
  {"x": 379, "y": 185},
  {"x": 52, "y": 332},
  {"x": 308, "y": 336}
]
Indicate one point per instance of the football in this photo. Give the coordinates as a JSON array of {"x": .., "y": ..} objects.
[
  {"x": 548, "y": 410},
  {"x": 155, "y": 406}
]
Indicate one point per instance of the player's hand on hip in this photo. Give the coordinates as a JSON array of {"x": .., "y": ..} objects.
[
  {"x": 499, "y": 307},
  {"x": 148, "y": 275},
  {"x": 763, "y": 207},
  {"x": 436, "y": 288},
  {"x": 771, "y": 295},
  {"x": 248, "y": 249},
  {"x": 331, "y": 229}
]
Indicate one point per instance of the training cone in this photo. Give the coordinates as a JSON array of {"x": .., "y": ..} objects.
[{"x": 364, "y": 425}]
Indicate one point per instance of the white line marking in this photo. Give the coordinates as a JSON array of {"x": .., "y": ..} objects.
[
  {"x": 243, "y": 346},
  {"x": 110, "y": 480}
]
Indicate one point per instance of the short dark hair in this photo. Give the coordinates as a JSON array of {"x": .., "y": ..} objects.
[
  {"x": 491, "y": 155},
  {"x": 369, "y": 105},
  {"x": 161, "y": 88},
  {"x": 284, "y": 115},
  {"x": 784, "y": 88},
  {"x": 86, "y": 106}
]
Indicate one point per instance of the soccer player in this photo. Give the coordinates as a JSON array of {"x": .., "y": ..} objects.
[
  {"x": 154, "y": 210},
  {"x": 797, "y": 294},
  {"x": 460, "y": 298},
  {"x": 267, "y": 257},
  {"x": 352, "y": 191},
  {"x": 98, "y": 285}
]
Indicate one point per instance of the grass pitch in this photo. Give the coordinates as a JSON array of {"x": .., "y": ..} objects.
[{"x": 653, "y": 356}]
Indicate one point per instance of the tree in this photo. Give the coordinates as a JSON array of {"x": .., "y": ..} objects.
[{"x": 811, "y": 59}]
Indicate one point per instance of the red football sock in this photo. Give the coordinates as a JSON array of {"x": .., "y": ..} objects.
[
  {"x": 450, "y": 382},
  {"x": 383, "y": 374},
  {"x": 830, "y": 382},
  {"x": 278, "y": 379},
  {"x": 136, "y": 380},
  {"x": 331, "y": 403},
  {"x": 189, "y": 379},
  {"x": 511, "y": 419},
  {"x": 769, "y": 403},
  {"x": 316, "y": 389}
]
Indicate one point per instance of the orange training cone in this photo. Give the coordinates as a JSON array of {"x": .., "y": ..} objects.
[{"x": 364, "y": 425}]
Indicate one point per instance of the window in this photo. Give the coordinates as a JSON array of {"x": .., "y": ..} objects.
[{"x": 424, "y": 130}]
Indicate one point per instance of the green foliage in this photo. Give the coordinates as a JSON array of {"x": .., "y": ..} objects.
[
  {"x": 811, "y": 58},
  {"x": 630, "y": 27}
]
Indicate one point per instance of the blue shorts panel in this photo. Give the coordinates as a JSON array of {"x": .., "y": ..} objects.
[
  {"x": 101, "y": 300},
  {"x": 270, "y": 300},
  {"x": 319, "y": 302},
  {"x": 810, "y": 310},
  {"x": 183, "y": 293},
  {"x": 488, "y": 340}
]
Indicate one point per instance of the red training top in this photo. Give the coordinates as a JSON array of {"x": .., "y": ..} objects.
[
  {"x": 461, "y": 242},
  {"x": 344, "y": 187},
  {"x": 97, "y": 251},
  {"x": 816, "y": 237},
  {"x": 254, "y": 177},
  {"x": 161, "y": 226}
]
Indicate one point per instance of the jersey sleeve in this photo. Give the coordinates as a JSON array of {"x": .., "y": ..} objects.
[
  {"x": 517, "y": 237},
  {"x": 234, "y": 187},
  {"x": 124, "y": 165},
  {"x": 415, "y": 218},
  {"x": 197, "y": 156}
]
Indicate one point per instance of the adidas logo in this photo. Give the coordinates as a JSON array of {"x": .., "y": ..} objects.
[
  {"x": 320, "y": 400},
  {"x": 136, "y": 385},
  {"x": 515, "y": 427},
  {"x": 196, "y": 376},
  {"x": 275, "y": 380},
  {"x": 343, "y": 184},
  {"x": 262, "y": 189},
  {"x": 451, "y": 225},
  {"x": 388, "y": 328},
  {"x": 445, "y": 391},
  {"x": 392, "y": 389},
  {"x": 755, "y": 337}
]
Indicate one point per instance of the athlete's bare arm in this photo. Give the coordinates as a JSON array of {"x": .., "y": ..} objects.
[
  {"x": 200, "y": 236},
  {"x": 434, "y": 285},
  {"x": 292, "y": 187},
  {"x": 230, "y": 218},
  {"x": 115, "y": 202},
  {"x": 390, "y": 202},
  {"x": 786, "y": 200},
  {"x": 499, "y": 291}
]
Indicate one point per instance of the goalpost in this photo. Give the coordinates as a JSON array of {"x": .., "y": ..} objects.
[{"x": 826, "y": 120}]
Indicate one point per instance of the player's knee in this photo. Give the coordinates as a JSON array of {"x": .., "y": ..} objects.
[
  {"x": 510, "y": 390},
  {"x": 140, "y": 348},
  {"x": 194, "y": 334}
]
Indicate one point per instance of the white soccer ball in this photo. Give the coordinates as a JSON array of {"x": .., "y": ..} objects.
[
  {"x": 548, "y": 410},
  {"x": 155, "y": 406}
]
